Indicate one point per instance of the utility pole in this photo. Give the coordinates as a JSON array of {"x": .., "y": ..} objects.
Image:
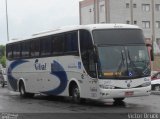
[
  {"x": 153, "y": 22},
  {"x": 7, "y": 20}
]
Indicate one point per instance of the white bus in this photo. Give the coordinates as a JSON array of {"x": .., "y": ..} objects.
[{"x": 97, "y": 61}]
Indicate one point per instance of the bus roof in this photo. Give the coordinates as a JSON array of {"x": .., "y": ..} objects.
[{"x": 89, "y": 27}]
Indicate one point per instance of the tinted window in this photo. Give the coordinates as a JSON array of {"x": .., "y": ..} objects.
[
  {"x": 123, "y": 62},
  {"x": 86, "y": 46},
  {"x": 85, "y": 40},
  {"x": 35, "y": 48},
  {"x": 46, "y": 46},
  {"x": 57, "y": 44},
  {"x": 118, "y": 36},
  {"x": 9, "y": 51},
  {"x": 25, "y": 49},
  {"x": 71, "y": 42},
  {"x": 16, "y": 50}
]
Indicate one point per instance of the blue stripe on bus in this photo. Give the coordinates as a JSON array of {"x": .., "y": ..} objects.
[
  {"x": 58, "y": 71},
  {"x": 12, "y": 80}
]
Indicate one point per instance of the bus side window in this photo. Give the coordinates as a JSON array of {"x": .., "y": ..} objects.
[
  {"x": 45, "y": 46},
  {"x": 87, "y": 51},
  {"x": 35, "y": 48},
  {"x": 58, "y": 44},
  {"x": 25, "y": 49},
  {"x": 9, "y": 52},
  {"x": 71, "y": 43},
  {"x": 16, "y": 50}
]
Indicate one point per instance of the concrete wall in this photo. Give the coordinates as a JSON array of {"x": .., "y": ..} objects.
[
  {"x": 102, "y": 13},
  {"x": 92, "y": 11},
  {"x": 118, "y": 11},
  {"x": 87, "y": 12}
]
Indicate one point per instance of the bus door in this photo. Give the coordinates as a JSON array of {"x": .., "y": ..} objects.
[{"x": 87, "y": 56}]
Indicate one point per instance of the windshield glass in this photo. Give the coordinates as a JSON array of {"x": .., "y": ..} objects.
[
  {"x": 123, "y": 62},
  {"x": 122, "y": 53}
]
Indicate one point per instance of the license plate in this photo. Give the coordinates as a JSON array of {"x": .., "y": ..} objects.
[{"x": 129, "y": 93}]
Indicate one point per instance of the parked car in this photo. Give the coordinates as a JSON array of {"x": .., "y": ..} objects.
[{"x": 155, "y": 81}]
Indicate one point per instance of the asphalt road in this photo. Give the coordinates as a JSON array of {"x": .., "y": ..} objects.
[{"x": 45, "y": 107}]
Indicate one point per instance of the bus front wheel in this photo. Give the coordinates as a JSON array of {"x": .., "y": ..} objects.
[
  {"x": 75, "y": 94},
  {"x": 23, "y": 92}
]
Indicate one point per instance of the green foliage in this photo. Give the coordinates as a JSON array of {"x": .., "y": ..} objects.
[
  {"x": 3, "y": 61},
  {"x": 2, "y": 55}
]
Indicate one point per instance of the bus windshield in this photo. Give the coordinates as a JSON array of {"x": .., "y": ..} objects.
[
  {"x": 122, "y": 60},
  {"x": 118, "y": 36}
]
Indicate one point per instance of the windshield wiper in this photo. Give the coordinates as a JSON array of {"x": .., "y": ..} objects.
[
  {"x": 135, "y": 69},
  {"x": 120, "y": 65},
  {"x": 147, "y": 69}
]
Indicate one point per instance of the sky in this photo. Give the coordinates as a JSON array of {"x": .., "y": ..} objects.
[{"x": 27, "y": 17}]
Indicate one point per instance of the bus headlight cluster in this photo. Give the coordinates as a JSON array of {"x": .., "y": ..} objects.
[
  {"x": 106, "y": 86},
  {"x": 146, "y": 84}
]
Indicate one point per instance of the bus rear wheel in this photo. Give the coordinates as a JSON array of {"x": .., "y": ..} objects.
[
  {"x": 23, "y": 92},
  {"x": 2, "y": 84},
  {"x": 118, "y": 99}
]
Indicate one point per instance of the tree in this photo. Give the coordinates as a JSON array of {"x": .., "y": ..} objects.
[{"x": 2, "y": 55}]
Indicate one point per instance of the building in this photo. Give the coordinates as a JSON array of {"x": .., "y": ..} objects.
[{"x": 144, "y": 13}]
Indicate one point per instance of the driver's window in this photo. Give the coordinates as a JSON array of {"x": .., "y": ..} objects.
[{"x": 86, "y": 47}]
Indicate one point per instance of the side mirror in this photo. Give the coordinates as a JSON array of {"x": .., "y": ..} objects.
[{"x": 151, "y": 51}]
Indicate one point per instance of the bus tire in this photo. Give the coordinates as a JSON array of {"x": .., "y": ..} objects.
[
  {"x": 118, "y": 99},
  {"x": 76, "y": 95},
  {"x": 2, "y": 84},
  {"x": 23, "y": 92}
]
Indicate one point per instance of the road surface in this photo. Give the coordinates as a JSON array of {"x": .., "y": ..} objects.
[{"x": 59, "y": 107}]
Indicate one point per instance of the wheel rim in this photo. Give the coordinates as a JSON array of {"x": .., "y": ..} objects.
[
  {"x": 76, "y": 94},
  {"x": 157, "y": 88},
  {"x": 22, "y": 90}
]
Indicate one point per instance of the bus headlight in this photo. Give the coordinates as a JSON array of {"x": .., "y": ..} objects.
[
  {"x": 146, "y": 84},
  {"x": 106, "y": 86}
]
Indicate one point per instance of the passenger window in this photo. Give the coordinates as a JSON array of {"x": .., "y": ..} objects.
[
  {"x": 9, "y": 51},
  {"x": 35, "y": 48},
  {"x": 71, "y": 43},
  {"x": 25, "y": 49},
  {"x": 58, "y": 45},
  {"x": 16, "y": 50},
  {"x": 46, "y": 46}
]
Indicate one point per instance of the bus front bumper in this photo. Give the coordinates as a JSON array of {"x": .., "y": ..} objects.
[{"x": 122, "y": 93}]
